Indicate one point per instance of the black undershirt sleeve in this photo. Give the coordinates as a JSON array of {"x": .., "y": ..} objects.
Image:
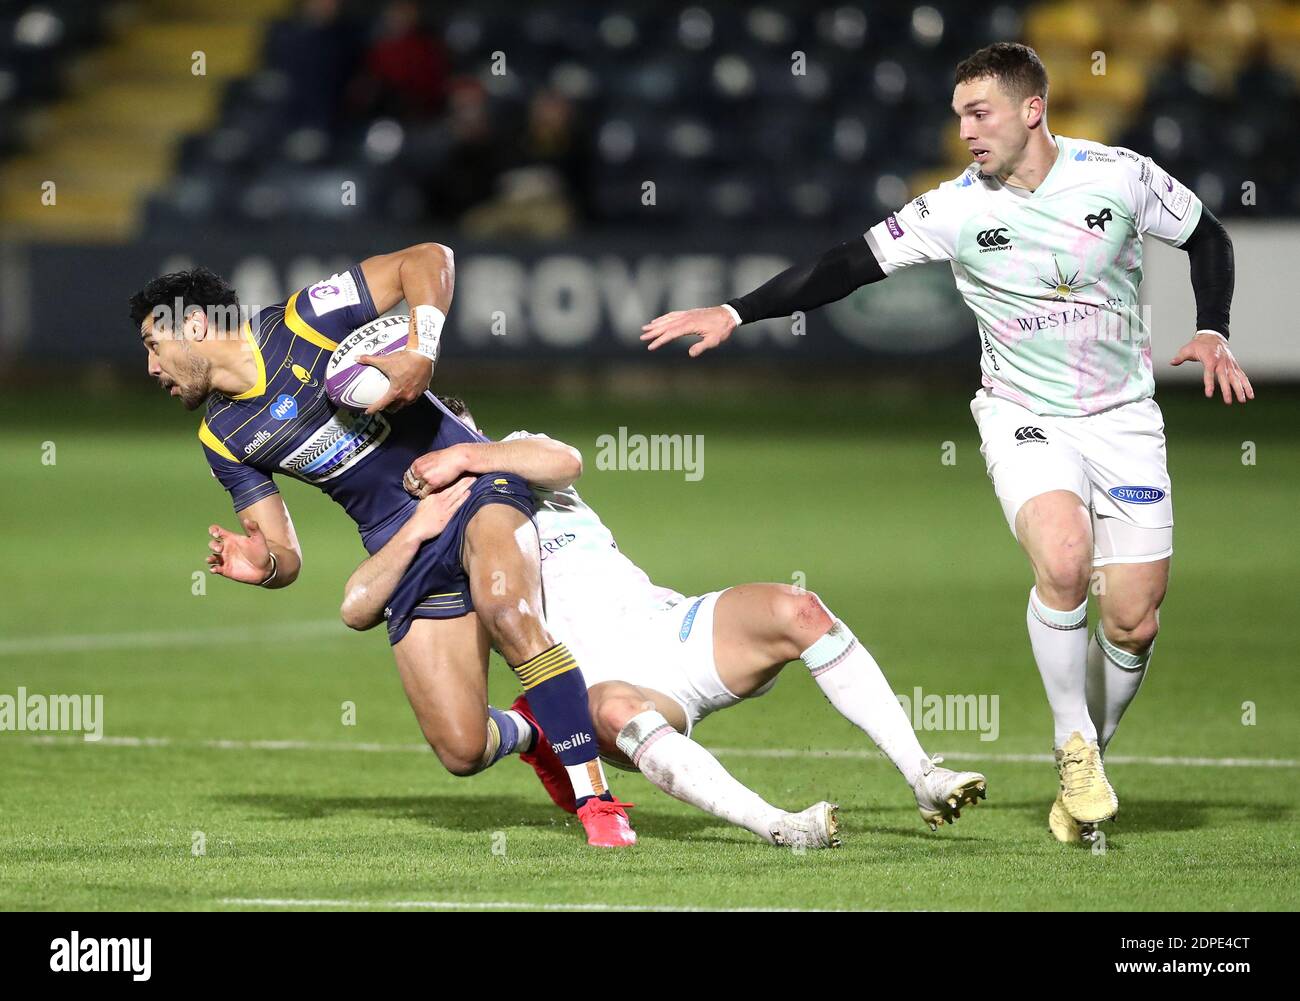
[
  {"x": 1209, "y": 249},
  {"x": 814, "y": 283}
]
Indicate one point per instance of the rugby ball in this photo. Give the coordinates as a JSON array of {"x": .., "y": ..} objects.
[{"x": 348, "y": 383}]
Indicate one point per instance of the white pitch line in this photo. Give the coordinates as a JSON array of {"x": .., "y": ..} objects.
[
  {"x": 506, "y": 905},
  {"x": 857, "y": 754},
  {"x": 322, "y": 629}
]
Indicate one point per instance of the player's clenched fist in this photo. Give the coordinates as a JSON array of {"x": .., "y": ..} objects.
[
  {"x": 1213, "y": 352},
  {"x": 408, "y": 377},
  {"x": 432, "y": 514},
  {"x": 245, "y": 558},
  {"x": 712, "y": 325},
  {"x": 434, "y": 470}
]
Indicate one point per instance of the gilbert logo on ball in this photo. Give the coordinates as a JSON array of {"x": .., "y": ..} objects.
[{"x": 353, "y": 385}]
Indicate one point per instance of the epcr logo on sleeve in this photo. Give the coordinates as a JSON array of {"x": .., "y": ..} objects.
[{"x": 334, "y": 293}]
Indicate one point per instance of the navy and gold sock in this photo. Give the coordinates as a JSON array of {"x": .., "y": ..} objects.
[{"x": 557, "y": 694}]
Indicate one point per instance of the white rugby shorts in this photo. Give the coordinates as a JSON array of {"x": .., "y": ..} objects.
[{"x": 1114, "y": 461}]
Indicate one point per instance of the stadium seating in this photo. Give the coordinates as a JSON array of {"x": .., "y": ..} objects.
[{"x": 554, "y": 119}]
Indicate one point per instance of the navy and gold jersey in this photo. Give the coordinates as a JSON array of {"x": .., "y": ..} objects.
[{"x": 285, "y": 424}]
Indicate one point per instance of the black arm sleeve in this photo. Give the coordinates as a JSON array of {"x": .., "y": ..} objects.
[
  {"x": 1210, "y": 251},
  {"x": 806, "y": 286}
]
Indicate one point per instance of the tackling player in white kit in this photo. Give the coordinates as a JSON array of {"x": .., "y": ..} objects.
[
  {"x": 662, "y": 661},
  {"x": 1044, "y": 236}
]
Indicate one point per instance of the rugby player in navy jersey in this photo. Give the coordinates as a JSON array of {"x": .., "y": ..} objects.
[{"x": 263, "y": 381}]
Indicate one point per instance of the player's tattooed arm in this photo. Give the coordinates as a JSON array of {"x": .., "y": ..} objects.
[
  {"x": 425, "y": 276},
  {"x": 830, "y": 277},
  {"x": 267, "y": 555},
  {"x": 542, "y": 462},
  {"x": 375, "y": 580}
]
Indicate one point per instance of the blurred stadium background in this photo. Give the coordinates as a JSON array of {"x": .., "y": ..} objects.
[
  {"x": 276, "y": 142},
  {"x": 595, "y": 167}
]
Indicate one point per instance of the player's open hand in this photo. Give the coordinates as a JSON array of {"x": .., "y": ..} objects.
[
  {"x": 1213, "y": 352},
  {"x": 434, "y": 512},
  {"x": 245, "y": 558},
  {"x": 408, "y": 377},
  {"x": 712, "y": 325},
  {"x": 433, "y": 471}
]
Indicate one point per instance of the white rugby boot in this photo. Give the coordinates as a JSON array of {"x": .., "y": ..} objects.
[
  {"x": 941, "y": 792},
  {"x": 816, "y": 827}
]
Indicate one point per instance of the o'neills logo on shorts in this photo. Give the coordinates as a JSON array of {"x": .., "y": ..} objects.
[
  {"x": 577, "y": 740},
  {"x": 1137, "y": 495}
]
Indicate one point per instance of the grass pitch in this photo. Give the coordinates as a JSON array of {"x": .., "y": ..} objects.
[{"x": 228, "y": 779}]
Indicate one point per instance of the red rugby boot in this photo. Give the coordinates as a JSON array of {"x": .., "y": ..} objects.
[
  {"x": 606, "y": 823},
  {"x": 546, "y": 763}
]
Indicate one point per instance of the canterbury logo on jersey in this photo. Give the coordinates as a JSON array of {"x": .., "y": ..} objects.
[
  {"x": 993, "y": 239},
  {"x": 1030, "y": 434},
  {"x": 336, "y": 445},
  {"x": 1099, "y": 220}
]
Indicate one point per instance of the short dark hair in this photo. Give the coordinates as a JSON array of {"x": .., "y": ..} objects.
[
  {"x": 195, "y": 287},
  {"x": 1015, "y": 67},
  {"x": 457, "y": 406}
]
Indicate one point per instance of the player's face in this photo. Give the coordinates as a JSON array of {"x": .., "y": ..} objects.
[
  {"x": 992, "y": 125},
  {"x": 179, "y": 369}
]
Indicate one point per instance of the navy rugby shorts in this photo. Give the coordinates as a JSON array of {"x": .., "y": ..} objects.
[{"x": 435, "y": 585}]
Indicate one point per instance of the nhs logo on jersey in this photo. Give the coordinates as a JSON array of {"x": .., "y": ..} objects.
[
  {"x": 285, "y": 408},
  {"x": 1137, "y": 495},
  {"x": 336, "y": 446}
]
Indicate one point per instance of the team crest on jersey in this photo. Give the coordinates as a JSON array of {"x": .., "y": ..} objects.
[
  {"x": 1099, "y": 220},
  {"x": 336, "y": 446}
]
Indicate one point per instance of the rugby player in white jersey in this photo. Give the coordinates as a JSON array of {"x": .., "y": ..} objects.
[
  {"x": 1044, "y": 236},
  {"x": 660, "y": 662}
]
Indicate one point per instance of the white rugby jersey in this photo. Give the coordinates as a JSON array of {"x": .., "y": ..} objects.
[
  {"x": 588, "y": 584},
  {"x": 1051, "y": 275}
]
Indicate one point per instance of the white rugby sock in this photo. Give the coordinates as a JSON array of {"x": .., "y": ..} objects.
[
  {"x": 527, "y": 735},
  {"x": 1060, "y": 642},
  {"x": 686, "y": 771},
  {"x": 1114, "y": 677},
  {"x": 852, "y": 681}
]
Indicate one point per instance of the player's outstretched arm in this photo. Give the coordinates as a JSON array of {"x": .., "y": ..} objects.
[
  {"x": 1209, "y": 251},
  {"x": 268, "y": 555},
  {"x": 805, "y": 286},
  {"x": 425, "y": 276},
  {"x": 375, "y": 580},
  {"x": 542, "y": 462}
]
